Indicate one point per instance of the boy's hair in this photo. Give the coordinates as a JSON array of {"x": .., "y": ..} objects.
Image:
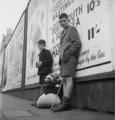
[
  {"x": 63, "y": 15},
  {"x": 41, "y": 41}
]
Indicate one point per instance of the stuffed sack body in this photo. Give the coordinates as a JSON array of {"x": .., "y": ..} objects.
[{"x": 49, "y": 96}]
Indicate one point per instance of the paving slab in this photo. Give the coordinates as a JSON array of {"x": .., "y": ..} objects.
[
  {"x": 16, "y": 113},
  {"x": 13, "y": 108}
]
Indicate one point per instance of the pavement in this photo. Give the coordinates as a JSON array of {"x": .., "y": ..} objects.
[{"x": 13, "y": 108}]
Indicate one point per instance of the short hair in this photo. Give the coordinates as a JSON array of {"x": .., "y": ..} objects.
[
  {"x": 41, "y": 41},
  {"x": 63, "y": 15}
]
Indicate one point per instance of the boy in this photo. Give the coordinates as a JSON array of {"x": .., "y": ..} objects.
[
  {"x": 70, "y": 45},
  {"x": 45, "y": 62}
]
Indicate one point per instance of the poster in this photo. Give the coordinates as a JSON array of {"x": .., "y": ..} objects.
[
  {"x": 18, "y": 39},
  {"x": 4, "y": 81},
  {"x": 7, "y": 70},
  {"x": 13, "y": 59},
  {"x": 37, "y": 29},
  {"x": 1, "y": 65},
  {"x": 88, "y": 16}
]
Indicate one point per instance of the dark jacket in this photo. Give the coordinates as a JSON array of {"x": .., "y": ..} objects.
[{"x": 47, "y": 60}]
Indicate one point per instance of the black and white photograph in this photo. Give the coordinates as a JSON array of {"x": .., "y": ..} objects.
[{"x": 57, "y": 59}]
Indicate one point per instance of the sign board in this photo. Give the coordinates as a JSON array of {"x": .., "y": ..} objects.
[
  {"x": 1, "y": 66},
  {"x": 91, "y": 18},
  {"x": 37, "y": 29},
  {"x": 13, "y": 58}
]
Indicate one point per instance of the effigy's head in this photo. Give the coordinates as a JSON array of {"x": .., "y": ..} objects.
[{"x": 52, "y": 79}]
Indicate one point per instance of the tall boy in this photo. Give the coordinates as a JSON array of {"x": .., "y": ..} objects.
[{"x": 70, "y": 45}]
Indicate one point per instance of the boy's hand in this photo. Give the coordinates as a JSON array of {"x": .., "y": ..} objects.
[{"x": 38, "y": 64}]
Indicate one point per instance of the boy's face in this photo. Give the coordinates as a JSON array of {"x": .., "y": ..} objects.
[
  {"x": 63, "y": 22},
  {"x": 41, "y": 46}
]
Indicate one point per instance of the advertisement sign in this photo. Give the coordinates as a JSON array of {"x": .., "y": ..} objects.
[
  {"x": 1, "y": 65},
  {"x": 93, "y": 27},
  {"x": 18, "y": 39},
  {"x": 13, "y": 59},
  {"x": 37, "y": 29},
  {"x": 8, "y": 67},
  {"x": 5, "y": 69}
]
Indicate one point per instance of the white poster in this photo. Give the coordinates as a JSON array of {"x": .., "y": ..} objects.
[
  {"x": 18, "y": 39},
  {"x": 91, "y": 18},
  {"x": 5, "y": 69},
  {"x": 37, "y": 29},
  {"x": 13, "y": 58},
  {"x": 8, "y": 69},
  {"x": 1, "y": 67}
]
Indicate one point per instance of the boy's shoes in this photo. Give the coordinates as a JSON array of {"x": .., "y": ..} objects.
[{"x": 64, "y": 106}]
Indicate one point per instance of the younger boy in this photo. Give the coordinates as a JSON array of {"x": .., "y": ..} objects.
[{"x": 45, "y": 62}]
